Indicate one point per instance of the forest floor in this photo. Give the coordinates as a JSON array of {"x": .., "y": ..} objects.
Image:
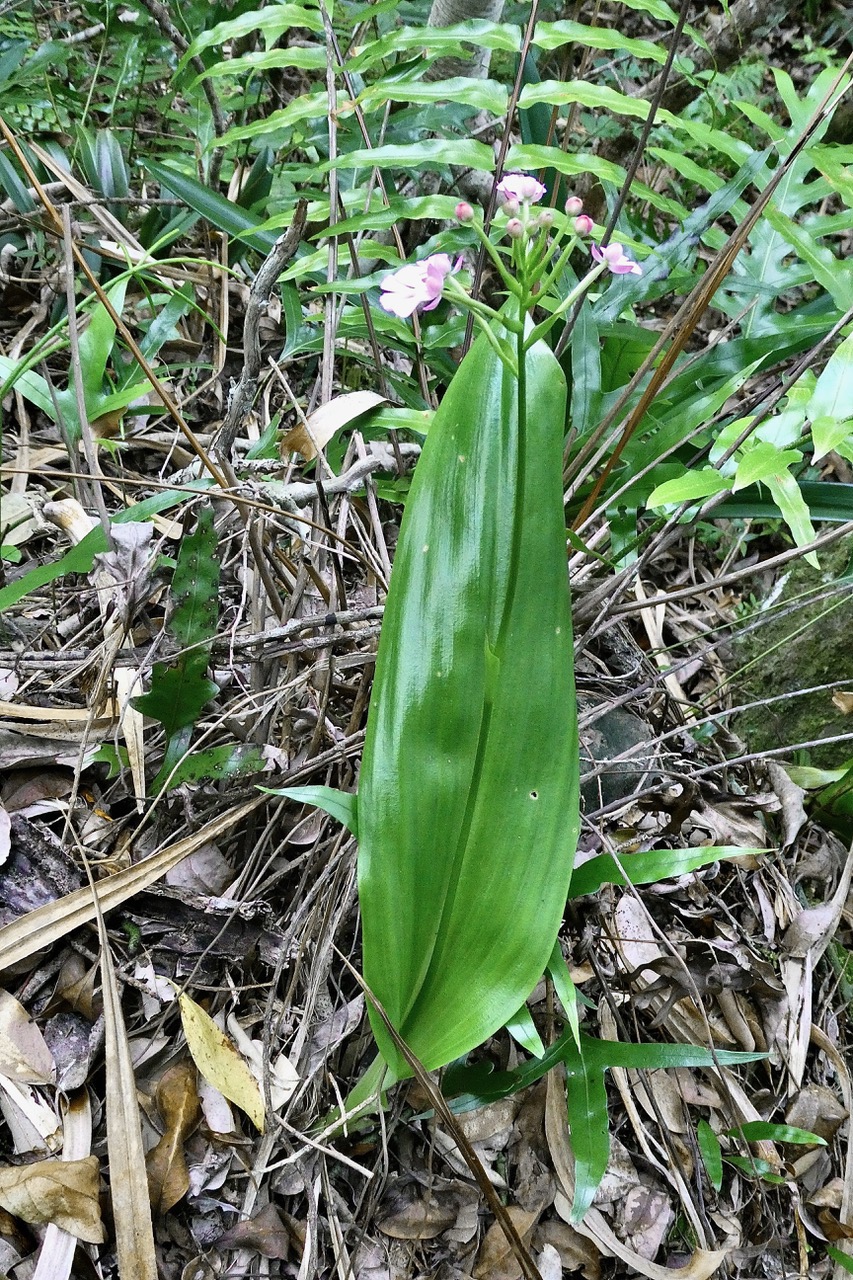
[{"x": 230, "y": 910}]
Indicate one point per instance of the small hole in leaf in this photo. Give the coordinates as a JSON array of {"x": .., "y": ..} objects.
[{"x": 534, "y": 795}]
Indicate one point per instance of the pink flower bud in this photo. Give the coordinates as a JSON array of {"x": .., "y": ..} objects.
[
  {"x": 584, "y": 224},
  {"x": 510, "y": 208},
  {"x": 546, "y": 218},
  {"x": 464, "y": 212},
  {"x": 574, "y": 204},
  {"x": 515, "y": 229}
]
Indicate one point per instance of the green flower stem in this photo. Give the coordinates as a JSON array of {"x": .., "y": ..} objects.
[
  {"x": 569, "y": 301},
  {"x": 508, "y": 279},
  {"x": 568, "y": 249}
]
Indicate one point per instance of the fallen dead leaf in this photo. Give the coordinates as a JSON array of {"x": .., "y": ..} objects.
[
  {"x": 577, "y": 1252},
  {"x": 321, "y": 425},
  {"x": 46, "y": 924},
  {"x": 216, "y": 1057},
  {"x": 844, "y": 702},
  {"x": 266, "y": 1233},
  {"x": 24, "y": 1056},
  {"x": 177, "y": 1101},
  {"x": 64, "y": 1192},
  {"x": 411, "y": 1213},
  {"x": 496, "y": 1260}
]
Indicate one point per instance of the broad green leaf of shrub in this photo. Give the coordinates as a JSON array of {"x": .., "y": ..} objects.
[
  {"x": 271, "y": 22},
  {"x": 601, "y": 97},
  {"x": 468, "y": 802},
  {"x": 481, "y": 95},
  {"x": 416, "y": 155},
  {"x": 830, "y": 403},
  {"x": 762, "y": 461},
  {"x": 554, "y": 35},
  {"x": 688, "y": 488},
  {"x": 788, "y": 497}
]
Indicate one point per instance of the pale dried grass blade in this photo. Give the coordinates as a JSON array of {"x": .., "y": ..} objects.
[
  {"x": 134, "y": 1232},
  {"x": 57, "y": 1251},
  {"x": 47, "y": 924},
  {"x": 822, "y": 1041},
  {"x": 132, "y": 726}
]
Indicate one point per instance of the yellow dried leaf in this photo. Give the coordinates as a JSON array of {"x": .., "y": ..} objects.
[
  {"x": 217, "y": 1059},
  {"x": 844, "y": 702},
  {"x": 64, "y": 1192}
]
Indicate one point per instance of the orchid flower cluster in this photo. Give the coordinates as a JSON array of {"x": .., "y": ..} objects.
[{"x": 528, "y": 267}]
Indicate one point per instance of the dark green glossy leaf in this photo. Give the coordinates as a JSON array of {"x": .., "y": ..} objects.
[{"x": 218, "y": 211}]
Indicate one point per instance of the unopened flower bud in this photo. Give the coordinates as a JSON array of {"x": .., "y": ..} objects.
[
  {"x": 510, "y": 208},
  {"x": 574, "y": 204},
  {"x": 584, "y": 224},
  {"x": 546, "y": 218},
  {"x": 464, "y": 212},
  {"x": 515, "y": 228}
]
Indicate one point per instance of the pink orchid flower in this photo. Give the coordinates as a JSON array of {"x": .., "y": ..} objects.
[
  {"x": 418, "y": 284},
  {"x": 520, "y": 187},
  {"x": 615, "y": 257}
]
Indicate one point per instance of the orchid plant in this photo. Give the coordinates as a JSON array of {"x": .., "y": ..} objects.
[{"x": 467, "y": 811}]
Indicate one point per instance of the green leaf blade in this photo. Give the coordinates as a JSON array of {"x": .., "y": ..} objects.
[{"x": 467, "y": 798}]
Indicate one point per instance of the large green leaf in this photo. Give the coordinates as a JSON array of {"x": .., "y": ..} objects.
[
  {"x": 218, "y": 211},
  {"x": 414, "y": 155},
  {"x": 468, "y": 802}
]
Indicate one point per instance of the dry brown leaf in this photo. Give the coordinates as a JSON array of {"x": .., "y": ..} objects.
[
  {"x": 64, "y": 1192},
  {"x": 56, "y": 1255},
  {"x": 321, "y": 425},
  {"x": 577, "y": 1252},
  {"x": 496, "y": 1260},
  {"x": 409, "y": 1212},
  {"x": 645, "y": 1216},
  {"x": 24, "y": 1056},
  {"x": 265, "y": 1233},
  {"x": 844, "y": 702},
  {"x": 177, "y": 1101},
  {"x": 817, "y": 1110}
]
